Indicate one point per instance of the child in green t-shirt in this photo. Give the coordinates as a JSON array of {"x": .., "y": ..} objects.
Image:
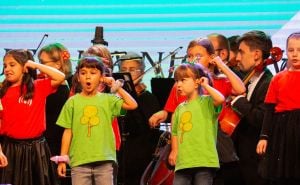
[
  {"x": 194, "y": 127},
  {"x": 88, "y": 138}
]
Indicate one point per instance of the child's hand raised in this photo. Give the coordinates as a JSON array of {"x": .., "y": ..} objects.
[
  {"x": 109, "y": 81},
  {"x": 203, "y": 81},
  {"x": 29, "y": 65},
  {"x": 215, "y": 59}
]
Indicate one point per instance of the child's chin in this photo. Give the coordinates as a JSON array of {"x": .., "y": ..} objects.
[{"x": 181, "y": 93}]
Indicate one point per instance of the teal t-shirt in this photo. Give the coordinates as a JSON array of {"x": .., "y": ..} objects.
[
  {"x": 90, "y": 119},
  {"x": 195, "y": 125}
]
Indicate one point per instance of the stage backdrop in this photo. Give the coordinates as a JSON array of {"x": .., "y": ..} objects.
[{"x": 149, "y": 26}]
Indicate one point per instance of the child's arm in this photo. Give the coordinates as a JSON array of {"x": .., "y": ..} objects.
[
  {"x": 129, "y": 102},
  {"x": 56, "y": 76},
  {"x": 174, "y": 146},
  {"x": 3, "y": 159},
  {"x": 65, "y": 145},
  {"x": 174, "y": 150},
  {"x": 158, "y": 118},
  {"x": 266, "y": 128},
  {"x": 237, "y": 84},
  {"x": 218, "y": 98}
]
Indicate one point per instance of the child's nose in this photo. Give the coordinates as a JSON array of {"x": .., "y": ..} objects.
[{"x": 88, "y": 76}]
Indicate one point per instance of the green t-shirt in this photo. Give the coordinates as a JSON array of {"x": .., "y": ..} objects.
[
  {"x": 195, "y": 125},
  {"x": 90, "y": 119}
]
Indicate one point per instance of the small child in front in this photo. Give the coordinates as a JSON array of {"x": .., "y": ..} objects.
[
  {"x": 87, "y": 116},
  {"x": 194, "y": 127}
]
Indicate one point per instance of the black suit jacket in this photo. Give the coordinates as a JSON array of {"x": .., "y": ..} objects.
[{"x": 247, "y": 132}]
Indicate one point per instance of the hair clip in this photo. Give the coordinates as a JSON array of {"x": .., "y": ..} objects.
[{"x": 65, "y": 55}]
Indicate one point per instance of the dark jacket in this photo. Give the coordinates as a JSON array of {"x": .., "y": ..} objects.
[{"x": 246, "y": 135}]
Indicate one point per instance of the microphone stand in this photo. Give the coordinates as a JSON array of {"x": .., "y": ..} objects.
[
  {"x": 34, "y": 51},
  {"x": 157, "y": 64}
]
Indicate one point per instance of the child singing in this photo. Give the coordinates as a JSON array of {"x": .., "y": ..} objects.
[{"x": 87, "y": 116}]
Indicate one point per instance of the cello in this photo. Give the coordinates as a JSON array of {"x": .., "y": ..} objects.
[
  {"x": 159, "y": 172},
  {"x": 228, "y": 117}
]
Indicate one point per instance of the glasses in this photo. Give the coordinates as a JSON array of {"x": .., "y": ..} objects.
[
  {"x": 193, "y": 59},
  {"x": 46, "y": 61},
  {"x": 130, "y": 70}
]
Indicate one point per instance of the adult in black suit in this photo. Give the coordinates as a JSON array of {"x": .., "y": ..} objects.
[{"x": 254, "y": 48}]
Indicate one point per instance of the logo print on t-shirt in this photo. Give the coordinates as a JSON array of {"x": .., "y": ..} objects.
[
  {"x": 185, "y": 124},
  {"x": 90, "y": 117},
  {"x": 27, "y": 102}
]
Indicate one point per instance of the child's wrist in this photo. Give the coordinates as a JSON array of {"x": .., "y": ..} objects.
[
  {"x": 60, "y": 159},
  {"x": 116, "y": 85}
]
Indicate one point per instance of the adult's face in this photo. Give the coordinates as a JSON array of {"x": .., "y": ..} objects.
[
  {"x": 131, "y": 66},
  {"x": 221, "y": 52},
  {"x": 246, "y": 58}
]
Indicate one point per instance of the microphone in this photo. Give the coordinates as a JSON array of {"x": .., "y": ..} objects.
[
  {"x": 46, "y": 35},
  {"x": 99, "y": 36}
]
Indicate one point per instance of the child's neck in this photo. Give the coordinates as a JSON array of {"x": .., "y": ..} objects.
[
  {"x": 88, "y": 94},
  {"x": 294, "y": 69},
  {"x": 192, "y": 96}
]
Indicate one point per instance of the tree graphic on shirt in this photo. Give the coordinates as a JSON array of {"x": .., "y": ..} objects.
[
  {"x": 90, "y": 117},
  {"x": 185, "y": 124}
]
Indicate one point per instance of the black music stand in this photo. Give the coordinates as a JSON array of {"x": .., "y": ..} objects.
[
  {"x": 161, "y": 88},
  {"x": 129, "y": 87}
]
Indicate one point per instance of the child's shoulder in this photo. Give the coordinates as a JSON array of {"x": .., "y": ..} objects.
[
  {"x": 42, "y": 81},
  {"x": 286, "y": 74}
]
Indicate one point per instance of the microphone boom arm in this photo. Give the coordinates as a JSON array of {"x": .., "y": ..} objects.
[{"x": 159, "y": 62}]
